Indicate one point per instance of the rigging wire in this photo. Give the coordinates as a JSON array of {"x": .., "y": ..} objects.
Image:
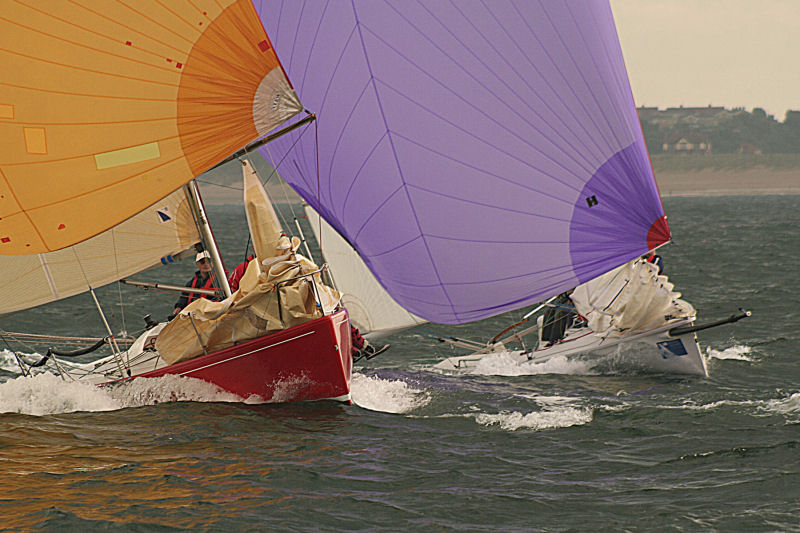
[
  {"x": 319, "y": 194},
  {"x": 124, "y": 331},
  {"x": 112, "y": 339},
  {"x": 274, "y": 172},
  {"x": 25, "y": 371}
]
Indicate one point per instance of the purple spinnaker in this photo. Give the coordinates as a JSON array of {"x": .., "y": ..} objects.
[{"x": 480, "y": 155}]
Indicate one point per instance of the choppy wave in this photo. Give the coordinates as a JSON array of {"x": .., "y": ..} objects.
[
  {"x": 788, "y": 406},
  {"x": 388, "y": 396}
]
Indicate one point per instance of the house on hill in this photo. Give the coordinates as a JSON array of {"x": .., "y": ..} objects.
[
  {"x": 687, "y": 143},
  {"x": 748, "y": 148}
]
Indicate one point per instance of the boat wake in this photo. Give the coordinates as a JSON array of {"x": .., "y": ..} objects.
[
  {"x": 504, "y": 364},
  {"x": 388, "y": 396}
]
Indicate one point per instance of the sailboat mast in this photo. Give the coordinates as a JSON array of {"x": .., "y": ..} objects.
[{"x": 193, "y": 193}]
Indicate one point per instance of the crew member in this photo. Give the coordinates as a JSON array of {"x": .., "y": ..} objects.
[
  {"x": 203, "y": 279},
  {"x": 557, "y": 318},
  {"x": 653, "y": 257}
]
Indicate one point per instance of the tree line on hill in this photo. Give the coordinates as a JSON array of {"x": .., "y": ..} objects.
[{"x": 719, "y": 130}]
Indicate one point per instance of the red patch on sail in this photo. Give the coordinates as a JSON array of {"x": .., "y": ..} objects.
[
  {"x": 264, "y": 46},
  {"x": 658, "y": 233},
  {"x": 61, "y": 226}
]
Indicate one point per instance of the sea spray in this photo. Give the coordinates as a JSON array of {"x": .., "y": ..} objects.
[
  {"x": 504, "y": 364},
  {"x": 736, "y": 352},
  {"x": 47, "y": 394}
]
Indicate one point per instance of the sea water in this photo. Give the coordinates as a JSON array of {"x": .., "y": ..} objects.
[{"x": 558, "y": 447}]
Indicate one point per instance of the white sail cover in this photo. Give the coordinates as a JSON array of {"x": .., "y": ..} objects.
[
  {"x": 630, "y": 298},
  {"x": 371, "y": 308},
  {"x": 157, "y": 235}
]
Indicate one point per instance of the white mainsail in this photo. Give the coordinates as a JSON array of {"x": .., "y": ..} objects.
[{"x": 158, "y": 234}]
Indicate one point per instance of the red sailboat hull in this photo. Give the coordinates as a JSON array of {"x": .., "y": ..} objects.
[{"x": 311, "y": 361}]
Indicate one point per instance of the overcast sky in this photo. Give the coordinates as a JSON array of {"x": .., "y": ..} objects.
[{"x": 732, "y": 53}]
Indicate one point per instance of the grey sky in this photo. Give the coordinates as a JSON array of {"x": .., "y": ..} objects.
[{"x": 733, "y": 53}]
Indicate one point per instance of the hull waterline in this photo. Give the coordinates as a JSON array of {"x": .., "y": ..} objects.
[
  {"x": 311, "y": 361},
  {"x": 655, "y": 351}
]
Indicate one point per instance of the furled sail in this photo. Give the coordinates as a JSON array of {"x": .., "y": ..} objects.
[
  {"x": 280, "y": 289},
  {"x": 158, "y": 234},
  {"x": 630, "y": 298},
  {"x": 372, "y": 310},
  {"x": 480, "y": 156},
  {"x": 108, "y": 107}
]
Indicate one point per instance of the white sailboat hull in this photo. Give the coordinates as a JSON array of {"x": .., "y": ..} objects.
[{"x": 654, "y": 351}]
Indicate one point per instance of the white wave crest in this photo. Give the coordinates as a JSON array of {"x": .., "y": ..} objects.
[
  {"x": 558, "y": 418},
  {"x": 378, "y": 394},
  {"x": 737, "y": 352},
  {"x": 46, "y": 394},
  {"x": 9, "y": 363}
]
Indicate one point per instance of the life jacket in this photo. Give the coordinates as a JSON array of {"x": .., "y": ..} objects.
[
  {"x": 209, "y": 284},
  {"x": 238, "y": 272}
]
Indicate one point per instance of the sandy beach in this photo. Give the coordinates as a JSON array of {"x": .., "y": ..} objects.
[
  {"x": 744, "y": 182},
  {"x": 707, "y": 182}
]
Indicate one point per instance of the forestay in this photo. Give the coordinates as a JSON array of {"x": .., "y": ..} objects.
[
  {"x": 480, "y": 156},
  {"x": 369, "y": 306}
]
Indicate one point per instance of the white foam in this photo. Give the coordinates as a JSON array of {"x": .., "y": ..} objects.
[
  {"x": 784, "y": 406},
  {"x": 47, "y": 393},
  {"x": 737, "y": 352},
  {"x": 547, "y": 419},
  {"x": 169, "y": 388},
  {"x": 378, "y": 394}
]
